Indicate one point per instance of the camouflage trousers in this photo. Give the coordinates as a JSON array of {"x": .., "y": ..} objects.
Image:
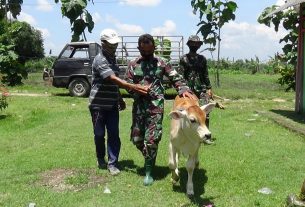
[
  {"x": 204, "y": 99},
  {"x": 146, "y": 133}
]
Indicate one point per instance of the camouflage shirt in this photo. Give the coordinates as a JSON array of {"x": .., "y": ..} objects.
[
  {"x": 150, "y": 73},
  {"x": 195, "y": 72}
]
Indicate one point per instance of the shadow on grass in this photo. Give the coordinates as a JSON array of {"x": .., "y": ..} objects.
[
  {"x": 159, "y": 172},
  {"x": 4, "y": 116},
  {"x": 291, "y": 115},
  {"x": 199, "y": 180},
  {"x": 60, "y": 94},
  {"x": 288, "y": 119},
  {"x": 127, "y": 165}
]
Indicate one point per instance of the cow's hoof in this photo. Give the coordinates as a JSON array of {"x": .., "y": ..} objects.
[
  {"x": 190, "y": 195},
  {"x": 293, "y": 201},
  {"x": 208, "y": 142},
  {"x": 148, "y": 180}
]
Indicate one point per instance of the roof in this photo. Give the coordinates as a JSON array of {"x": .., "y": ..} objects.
[
  {"x": 82, "y": 43},
  {"x": 290, "y": 3}
]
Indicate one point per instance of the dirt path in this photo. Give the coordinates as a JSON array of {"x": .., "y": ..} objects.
[{"x": 30, "y": 94}]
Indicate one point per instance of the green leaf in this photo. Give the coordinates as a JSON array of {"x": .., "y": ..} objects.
[
  {"x": 232, "y": 6},
  {"x": 88, "y": 20},
  {"x": 14, "y": 7},
  {"x": 73, "y": 9},
  {"x": 79, "y": 26}
]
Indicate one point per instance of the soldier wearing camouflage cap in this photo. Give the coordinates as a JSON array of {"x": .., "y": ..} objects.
[
  {"x": 147, "y": 112},
  {"x": 194, "y": 69}
]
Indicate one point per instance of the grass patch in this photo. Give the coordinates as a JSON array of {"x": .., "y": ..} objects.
[
  {"x": 78, "y": 179},
  {"x": 288, "y": 119},
  {"x": 47, "y": 153}
]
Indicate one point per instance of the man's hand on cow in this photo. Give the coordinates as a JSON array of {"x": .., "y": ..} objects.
[{"x": 189, "y": 95}]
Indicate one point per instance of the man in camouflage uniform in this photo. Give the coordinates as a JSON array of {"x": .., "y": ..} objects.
[
  {"x": 194, "y": 69},
  {"x": 147, "y": 112}
]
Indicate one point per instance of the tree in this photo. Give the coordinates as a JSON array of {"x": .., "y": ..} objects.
[
  {"x": 80, "y": 18},
  {"x": 74, "y": 10},
  {"x": 213, "y": 15},
  {"x": 27, "y": 40},
  {"x": 12, "y": 69},
  {"x": 19, "y": 42},
  {"x": 164, "y": 48},
  {"x": 289, "y": 20},
  {"x": 12, "y": 6}
]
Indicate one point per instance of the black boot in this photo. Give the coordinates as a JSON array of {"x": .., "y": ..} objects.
[{"x": 149, "y": 165}]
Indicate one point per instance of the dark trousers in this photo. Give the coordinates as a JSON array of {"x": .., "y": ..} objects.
[{"x": 108, "y": 120}]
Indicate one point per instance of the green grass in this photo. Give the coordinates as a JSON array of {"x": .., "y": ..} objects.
[{"x": 39, "y": 135}]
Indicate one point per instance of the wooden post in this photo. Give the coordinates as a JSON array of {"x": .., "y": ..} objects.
[
  {"x": 300, "y": 84},
  {"x": 5, "y": 10}
]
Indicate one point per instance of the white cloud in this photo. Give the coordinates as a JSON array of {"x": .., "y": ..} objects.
[
  {"x": 130, "y": 29},
  {"x": 168, "y": 28},
  {"x": 192, "y": 15},
  {"x": 140, "y": 2},
  {"x": 244, "y": 40},
  {"x": 51, "y": 47},
  {"x": 44, "y": 5},
  {"x": 45, "y": 33},
  {"x": 280, "y": 2},
  {"x": 27, "y": 18},
  {"x": 96, "y": 17},
  {"x": 125, "y": 29}
]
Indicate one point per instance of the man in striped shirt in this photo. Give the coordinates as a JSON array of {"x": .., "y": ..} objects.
[{"x": 104, "y": 101}]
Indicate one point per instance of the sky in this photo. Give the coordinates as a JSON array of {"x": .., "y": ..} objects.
[{"x": 243, "y": 38}]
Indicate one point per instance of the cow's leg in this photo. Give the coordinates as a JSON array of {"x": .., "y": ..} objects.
[
  {"x": 173, "y": 163},
  {"x": 196, "y": 160},
  {"x": 190, "y": 165}
]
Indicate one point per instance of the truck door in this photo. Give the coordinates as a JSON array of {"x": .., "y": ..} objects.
[{"x": 74, "y": 61}]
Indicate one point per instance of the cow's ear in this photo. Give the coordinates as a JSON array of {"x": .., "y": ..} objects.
[
  {"x": 176, "y": 114},
  {"x": 208, "y": 107}
]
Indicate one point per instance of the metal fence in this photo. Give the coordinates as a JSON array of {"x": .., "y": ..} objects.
[{"x": 127, "y": 48}]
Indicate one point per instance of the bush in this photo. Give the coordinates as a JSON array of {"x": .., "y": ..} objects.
[
  {"x": 37, "y": 65},
  {"x": 287, "y": 77},
  {"x": 3, "y": 98}
]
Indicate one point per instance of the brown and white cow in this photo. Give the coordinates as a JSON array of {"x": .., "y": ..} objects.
[{"x": 188, "y": 131}]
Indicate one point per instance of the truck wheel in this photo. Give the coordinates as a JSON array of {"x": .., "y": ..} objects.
[{"x": 79, "y": 87}]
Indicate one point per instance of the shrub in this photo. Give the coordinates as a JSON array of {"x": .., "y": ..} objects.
[
  {"x": 37, "y": 65},
  {"x": 3, "y": 98}
]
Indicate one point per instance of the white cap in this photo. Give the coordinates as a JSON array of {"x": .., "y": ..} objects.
[{"x": 110, "y": 36}]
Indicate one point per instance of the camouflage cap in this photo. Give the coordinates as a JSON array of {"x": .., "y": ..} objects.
[{"x": 194, "y": 38}]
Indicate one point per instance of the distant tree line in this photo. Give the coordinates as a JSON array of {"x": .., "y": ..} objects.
[{"x": 275, "y": 65}]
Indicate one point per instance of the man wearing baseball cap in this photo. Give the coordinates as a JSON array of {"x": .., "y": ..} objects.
[{"x": 105, "y": 101}]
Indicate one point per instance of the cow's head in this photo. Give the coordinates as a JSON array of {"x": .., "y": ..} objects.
[{"x": 192, "y": 120}]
